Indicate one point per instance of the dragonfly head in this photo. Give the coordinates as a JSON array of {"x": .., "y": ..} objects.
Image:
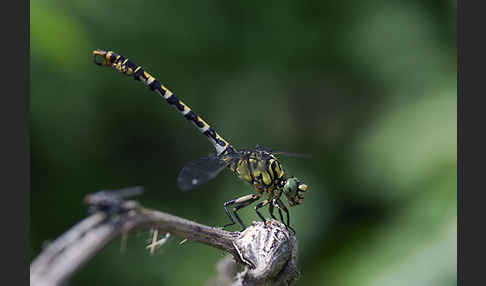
[{"x": 294, "y": 190}]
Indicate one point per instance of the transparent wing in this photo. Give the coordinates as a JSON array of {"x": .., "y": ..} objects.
[
  {"x": 199, "y": 171},
  {"x": 290, "y": 154}
]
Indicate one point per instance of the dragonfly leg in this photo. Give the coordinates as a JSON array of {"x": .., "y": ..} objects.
[
  {"x": 260, "y": 205},
  {"x": 271, "y": 208},
  {"x": 226, "y": 204},
  {"x": 276, "y": 204},
  {"x": 284, "y": 208},
  {"x": 281, "y": 216},
  {"x": 239, "y": 203}
]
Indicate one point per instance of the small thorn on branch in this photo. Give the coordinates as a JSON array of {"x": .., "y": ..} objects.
[
  {"x": 183, "y": 241},
  {"x": 157, "y": 243}
]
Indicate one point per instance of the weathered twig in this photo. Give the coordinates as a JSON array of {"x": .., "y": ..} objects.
[{"x": 268, "y": 250}]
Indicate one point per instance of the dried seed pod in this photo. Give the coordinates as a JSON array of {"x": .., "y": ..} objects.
[{"x": 270, "y": 250}]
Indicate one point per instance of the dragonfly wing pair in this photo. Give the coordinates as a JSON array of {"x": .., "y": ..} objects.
[{"x": 200, "y": 171}]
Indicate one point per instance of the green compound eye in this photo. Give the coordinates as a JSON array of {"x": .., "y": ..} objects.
[
  {"x": 294, "y": 190},
  {"x": 291, "y": 185}
]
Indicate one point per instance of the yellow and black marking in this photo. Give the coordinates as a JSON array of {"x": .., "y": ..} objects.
[
  {"x": 259, "y": 167},
  {"x": 129, "y": 68}
]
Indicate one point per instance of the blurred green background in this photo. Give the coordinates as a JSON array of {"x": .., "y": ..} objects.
[{"x": 368, "y": 88}]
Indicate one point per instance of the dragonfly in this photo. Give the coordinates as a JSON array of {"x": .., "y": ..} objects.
[{"x": 258, "y": 166}]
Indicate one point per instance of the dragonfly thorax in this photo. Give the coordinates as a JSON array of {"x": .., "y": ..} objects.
[{"x": 262, "y": 170}]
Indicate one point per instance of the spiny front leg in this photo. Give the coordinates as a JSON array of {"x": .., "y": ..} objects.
[
  {"x": 284, "y": 208},
  {"x": 271, "y": 208},
  {"x": 260, "y": 205},
  {"x": 280, "y": 212},
  {"x": 239, "y": 203}
]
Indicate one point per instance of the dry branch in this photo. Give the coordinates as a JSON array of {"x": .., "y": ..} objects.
[{"x": 268, "y": 250}]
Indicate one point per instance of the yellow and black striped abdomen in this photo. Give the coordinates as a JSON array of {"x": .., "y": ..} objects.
[
  {"x": 262, "y": 170},
  {"x": 129, "y": 68}
]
